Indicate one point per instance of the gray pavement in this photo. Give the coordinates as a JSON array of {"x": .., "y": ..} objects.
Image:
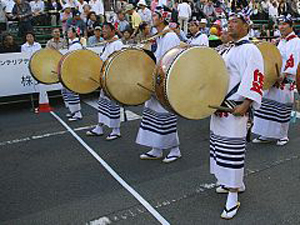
[{"x": 48, "y": 177}]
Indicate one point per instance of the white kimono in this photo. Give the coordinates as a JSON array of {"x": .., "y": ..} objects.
[
  {"x": 72, "y": 100},
  {"x": 158, "y": 127},
  {"x": 108, "y": 110},
  {"x": 228, "y": 134},
  {"x": 199, "y": 39},
  {"x": 272, "y": 119}
]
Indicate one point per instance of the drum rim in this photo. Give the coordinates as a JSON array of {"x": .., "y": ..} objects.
[
  {"x": 30, "y": 69},
  {"x": 60, "y": 65}
]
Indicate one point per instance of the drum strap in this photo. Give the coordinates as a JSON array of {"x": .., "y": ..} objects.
[
  {"x": 231, "y": 103},
  {"x": 242, "y": 42}
]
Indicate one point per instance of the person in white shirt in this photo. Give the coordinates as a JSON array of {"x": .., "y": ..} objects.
[
  {"x": 80, "y": 5},
  {"x": 158, "y": 128},
  {"x": 8, "y": 7},
  {"x": 162, "y": 3},
  {"x": 184, "y": 15},
  {"x": 197, "y": 37},
  {"x": 97, "y": 6},
  {"x": 108, "y": 110},
  {"x": 273, "y": 10},
  {"x": 144, "y": 12},
  {"x": 37, "y": 8},
  {"x": 30, "y": 46}
]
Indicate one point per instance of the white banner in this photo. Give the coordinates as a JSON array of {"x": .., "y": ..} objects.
[{"x": 15, "y": 78}]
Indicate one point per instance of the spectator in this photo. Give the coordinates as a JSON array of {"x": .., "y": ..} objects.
[
  {"x": 91, "y": 22},
  {"x": 184, "y": 15},
  {"x": 2, "y": 17},
  {"x": 273, "y": 11},
  {"x": 71, "y": 3},
  {"x": 22, "y": 12},
  {"x": 96, "y": 38},
  {"x": 121, "y": 24},
  {"x": 135, "y": 19},
  {"x": 86, "y": 11},
  {"x": 37, "y": 9},
  {"x": 30, "y": 45},
  {"x": 203, "y": 26},
  {"x": 120, "y": 5},
  {"x": 81, "y": 4},
  {"x": 53, "y": 7},
  {"x": 174, "y": 13},
  {"x": 197, "y": 37},
  {"x": 162, "y": 3},
  {"x": 77, "y": 23},
  {"x": 144, "y": 32},
  {"x": 65, "y": 16},
  {"x": 265, "y": 9},
  {"x": 126, "y": 39},
  {"x": 9, "y": 5},
  {"x": 9, "y": 44},
  {"x": 175, "y": 26},
  {"x": 209, "y": 10},
  {"x": 144, "y": 12},
  {"x": 282, "y": 8},
  {"x": 98, "y": 7},
  {"x": 56, "y": 42},
  {"x": 153, "y": 5}
]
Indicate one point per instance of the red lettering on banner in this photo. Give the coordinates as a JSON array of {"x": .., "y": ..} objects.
[
  {"x": 290, "y": 63},
  {"x": 258, "y": 82}
]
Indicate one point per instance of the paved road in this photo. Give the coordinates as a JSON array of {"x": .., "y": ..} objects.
[{"x": 48, "y": 177}]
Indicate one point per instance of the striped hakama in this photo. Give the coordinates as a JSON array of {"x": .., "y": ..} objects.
[
  {"x": 108, "y": 112},
  {"x": 73, "y": 101},
  {"x": 158, "y": 127},
  {"x": 227, "y": 149},
  {"x": 272, "y": 119}
]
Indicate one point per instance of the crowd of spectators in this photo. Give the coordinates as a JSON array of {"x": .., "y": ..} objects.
[{"x": 132, "y": 18}]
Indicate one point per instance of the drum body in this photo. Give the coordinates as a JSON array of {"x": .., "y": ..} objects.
[
  {"x": 125, "y": 73},
  {"x": 43, "y": 65},
  {"x": 189, "y": 79},
  {"x": 79, "y": 71},
  {"x": 271, "y": 56}
]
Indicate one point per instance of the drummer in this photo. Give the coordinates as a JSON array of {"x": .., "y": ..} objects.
[
  {"x": 197, "y": 38},
  {"x": 228, "y": 131},
  {"x": 108, "y": 110},
  {"x": 72, "y": 98},
  {"x": 272, "y": 120},
  {"x": 158, "y": 128}
]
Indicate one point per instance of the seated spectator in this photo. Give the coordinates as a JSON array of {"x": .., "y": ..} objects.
[
  {"x": 144, "y": 32},
  {"x": 56, "y": 42},
  {"x": 203, "y": 26},
  {"x": 30, "y": 45},
  {"x": 9, "y": 45},
  {"x": 98, "y": 7},
  {"x": 175, "y": 26},
  {"x": 121, "y": 24},
  {"x": 71, "y": 3},
  {"x": 81, "y": 4},
  {"x": 92, "y": 22},
  {"x": 209, "y": 10},
  {"x": 53, "y": 7},
  {"x": 77, "y": 22},
  {"x": 144, "y": 12},
  {"x": 126, "y": 39},
  {"x": 22, "y": 13},
  {"x": 135, "y": 19},
  {"x": 9, "y": 5},
  {"x": 214, "y": 40},
  {"x": 86, "y": 12},
  {"x": 96, "y": 38},
  {"x": 37, "y": 9},
  {"x": 174, "y": 13},
  {"x": 120, "y": 5},
  {"x": 64, "y": 17},
  {"x": 153, "y": 5},
  {"x": 197, "y": 37}
]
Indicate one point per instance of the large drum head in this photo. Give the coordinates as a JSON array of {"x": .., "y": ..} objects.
[
  {"x": 197, "y": 78},
  {"x": 79, "y": 71},
  {"x": 125, "y": 73},
  {"x": 271, "y": 56},
  {"x": 43, "y": 65}
]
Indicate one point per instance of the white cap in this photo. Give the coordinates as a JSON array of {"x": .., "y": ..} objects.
[
  {"x": 142, "y": 2},
  {"x": 203, "y": 20}
]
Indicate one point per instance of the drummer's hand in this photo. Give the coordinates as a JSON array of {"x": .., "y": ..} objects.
[{"x": 242, "y": 109}]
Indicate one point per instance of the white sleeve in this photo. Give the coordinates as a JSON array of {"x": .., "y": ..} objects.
[
  {"x": 204, "y": 40},
  {"x": 290, "y": 66},
  {"x": 251, "y": 67},
  {"x": 171, "y": 41}
]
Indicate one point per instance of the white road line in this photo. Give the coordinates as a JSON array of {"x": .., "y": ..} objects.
[
  {"x": 130, "y": 115},
  {"x": 138, "y": 197}
]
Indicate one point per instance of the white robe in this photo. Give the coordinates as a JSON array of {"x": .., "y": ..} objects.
[
  {"x": 273, "y": 118},
  {"x": 158, "y": 127},
  {"x": 108, "y": 110},
  {"x": 228, "y": 134}
]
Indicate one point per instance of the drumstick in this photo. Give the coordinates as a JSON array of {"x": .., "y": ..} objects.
[
  {"x": 94, "y": 80},
  {"x": 221, "y": 108},
  {"x": 142, "y": 86},
  {"x": 277, "y": 70},
  {"x": 54, "y": 72}
]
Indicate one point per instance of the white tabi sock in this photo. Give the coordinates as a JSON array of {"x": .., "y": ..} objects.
[
  {"x": 232, "y": 199},
  {"x": 98, "y": 129},
  {"x": 155, "y": 152},
  {"x": 116, "y": 130},
  {"x": 78, "y": 114},
  {"x": 175, "y": 152}
]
